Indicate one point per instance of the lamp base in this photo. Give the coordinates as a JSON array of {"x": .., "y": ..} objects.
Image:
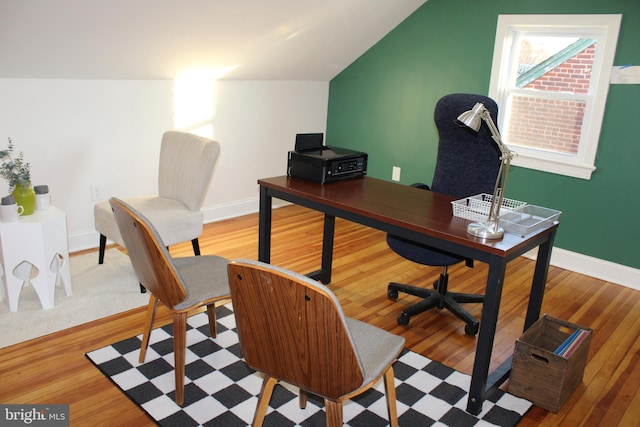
[{"x": 486, "y": 230}]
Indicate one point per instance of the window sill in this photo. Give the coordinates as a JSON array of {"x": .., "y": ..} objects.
[{"x": 582, "y": 171}]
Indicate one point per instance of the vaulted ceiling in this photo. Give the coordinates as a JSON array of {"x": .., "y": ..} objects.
[{"x": 310, "y": 40}]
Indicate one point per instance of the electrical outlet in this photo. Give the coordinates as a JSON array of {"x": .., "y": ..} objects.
[
  {"x": 395, "y": 173},
  {"x": 96, "y": 192}
]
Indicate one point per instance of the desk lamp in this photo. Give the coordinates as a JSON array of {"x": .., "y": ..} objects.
[{"x": 472, "y": 119}]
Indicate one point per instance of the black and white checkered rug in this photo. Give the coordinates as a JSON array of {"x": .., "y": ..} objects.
[{"x": 220, "y": 390}]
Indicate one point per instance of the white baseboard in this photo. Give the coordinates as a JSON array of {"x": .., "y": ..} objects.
[
  {"x": 82, "y": 241},
  {"x": 235, "y": 209},
  {"x": 230, "y": 210},
  {"x": 583, "y": 264},
  {"x": 594, "y": 267}
]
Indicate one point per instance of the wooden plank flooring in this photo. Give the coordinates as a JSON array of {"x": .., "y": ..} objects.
[{"x": 53, "y": 369}]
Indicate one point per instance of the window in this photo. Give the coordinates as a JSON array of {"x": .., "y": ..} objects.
[{"x": 550, "y": 77}]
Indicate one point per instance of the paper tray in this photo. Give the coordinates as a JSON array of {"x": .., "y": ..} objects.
[
  {"x": 528, "y": 218},
  {"x": 476, "y": 208}
]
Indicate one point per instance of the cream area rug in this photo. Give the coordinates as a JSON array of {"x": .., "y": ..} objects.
[{"x": 98, "y": 291}]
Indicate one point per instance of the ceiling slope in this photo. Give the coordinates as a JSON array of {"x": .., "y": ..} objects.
[{"x": 162, "y": 39}]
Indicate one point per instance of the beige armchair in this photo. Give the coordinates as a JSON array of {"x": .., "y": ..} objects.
[{"x": 185, "y": 171}]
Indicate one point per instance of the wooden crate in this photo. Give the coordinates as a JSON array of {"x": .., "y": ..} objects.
[{"x": 540, "y": 376}]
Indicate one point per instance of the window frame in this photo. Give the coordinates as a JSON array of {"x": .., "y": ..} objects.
[{"x": 606, "y": 29}]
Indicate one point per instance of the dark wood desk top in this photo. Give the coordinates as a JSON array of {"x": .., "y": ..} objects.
[{"x": 425, "y": 212}]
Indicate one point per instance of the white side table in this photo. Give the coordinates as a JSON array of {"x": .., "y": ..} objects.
[{"x": 36, "y": 245}]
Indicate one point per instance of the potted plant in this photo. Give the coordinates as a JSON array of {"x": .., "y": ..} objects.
[{"x": 17, "y": 173}]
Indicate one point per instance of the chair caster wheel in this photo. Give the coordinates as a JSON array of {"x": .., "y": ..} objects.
[
  {"x": 403, "y": 319},
  {"x": 471, "y": 329},
  {"x": 392, "y": 294}
]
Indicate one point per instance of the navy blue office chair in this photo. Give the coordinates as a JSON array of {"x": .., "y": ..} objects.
[{"x": 467, "y": 164}]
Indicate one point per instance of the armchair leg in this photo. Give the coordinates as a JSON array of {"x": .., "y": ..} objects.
[
  {"x": 102, "y": 246},
  {"x": 196, "y": 246}
]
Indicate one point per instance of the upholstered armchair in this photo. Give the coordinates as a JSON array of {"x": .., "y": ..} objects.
[{"x": 186, "y": 167}]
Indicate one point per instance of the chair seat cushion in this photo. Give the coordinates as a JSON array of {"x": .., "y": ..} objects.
[
  {"x": 421, "y": 254},
  {"x": 173, "y": 220},
  {"x": 376, "y": 347},
  {"x": 204, "y": 276}
]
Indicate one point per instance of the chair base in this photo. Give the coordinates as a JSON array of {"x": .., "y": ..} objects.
[{"x": 438, "y": 298}]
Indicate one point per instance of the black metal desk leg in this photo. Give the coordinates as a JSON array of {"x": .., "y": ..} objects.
[
  {"x": 488, "y": 324},
  {"x": 327, "y": 248},
  {"x": 539, "y": 281},
  {"x": 264, "y": 226}
]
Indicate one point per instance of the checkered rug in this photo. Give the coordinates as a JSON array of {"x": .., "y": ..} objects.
[{"x": 220, "y": 390}]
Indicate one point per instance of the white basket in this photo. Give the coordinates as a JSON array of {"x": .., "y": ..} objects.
[{"x": 476, "y": 208}]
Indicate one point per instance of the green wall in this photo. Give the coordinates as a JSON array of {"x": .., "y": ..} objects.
[{"x": 383, "y": 104}]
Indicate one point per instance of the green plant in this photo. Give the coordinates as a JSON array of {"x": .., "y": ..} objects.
[{"x": 15, "y": 171}]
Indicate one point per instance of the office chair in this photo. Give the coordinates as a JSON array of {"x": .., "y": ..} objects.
[
  {"x": 292, "y": 329},
  {"x": 182, "y": 284},
  {"x": 467, "y": 164}
]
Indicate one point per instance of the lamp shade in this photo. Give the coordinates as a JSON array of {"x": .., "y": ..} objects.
[{"x": 472, "y": 118}]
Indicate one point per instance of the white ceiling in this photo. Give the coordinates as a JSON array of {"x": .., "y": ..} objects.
[{"x": 310, "y": 40}]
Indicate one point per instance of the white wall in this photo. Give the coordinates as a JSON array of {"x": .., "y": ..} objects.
[{"x": 79, "y": 132}]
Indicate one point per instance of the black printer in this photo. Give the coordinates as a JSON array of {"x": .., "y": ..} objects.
[{"x": 313, "y": 161}]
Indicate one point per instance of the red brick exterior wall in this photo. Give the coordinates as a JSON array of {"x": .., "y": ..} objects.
[{"x": 551, "y": 124}]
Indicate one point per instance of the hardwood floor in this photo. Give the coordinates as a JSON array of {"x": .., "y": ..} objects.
[{"x": 53, "y": 369}]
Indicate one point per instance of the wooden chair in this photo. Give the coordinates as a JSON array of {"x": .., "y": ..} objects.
[
  {"x": 292, "y": 329},
  {"x": 182, "y": 284}
]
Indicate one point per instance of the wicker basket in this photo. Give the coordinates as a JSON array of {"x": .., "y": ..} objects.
[
  {"x": 476, "y": 208},
  {"x": 537, "y": 373}
]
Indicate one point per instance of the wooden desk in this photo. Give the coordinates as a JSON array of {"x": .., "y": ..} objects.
[{"x": 425, "y": 217}]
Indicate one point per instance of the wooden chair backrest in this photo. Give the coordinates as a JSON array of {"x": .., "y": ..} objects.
[
  {"x": 149, "y": 256},
  {"x": 293, "y": 329}
]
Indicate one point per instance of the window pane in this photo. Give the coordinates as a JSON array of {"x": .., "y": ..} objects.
[
  {"x": 555, "y": 64},
  {"x": 546, "y": 124}
]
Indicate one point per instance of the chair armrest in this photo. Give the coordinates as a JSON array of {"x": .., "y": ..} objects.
[{"x": 421, "y": 186}]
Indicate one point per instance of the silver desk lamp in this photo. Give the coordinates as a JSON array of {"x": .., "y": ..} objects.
[{"x": 473, "y": 120}]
